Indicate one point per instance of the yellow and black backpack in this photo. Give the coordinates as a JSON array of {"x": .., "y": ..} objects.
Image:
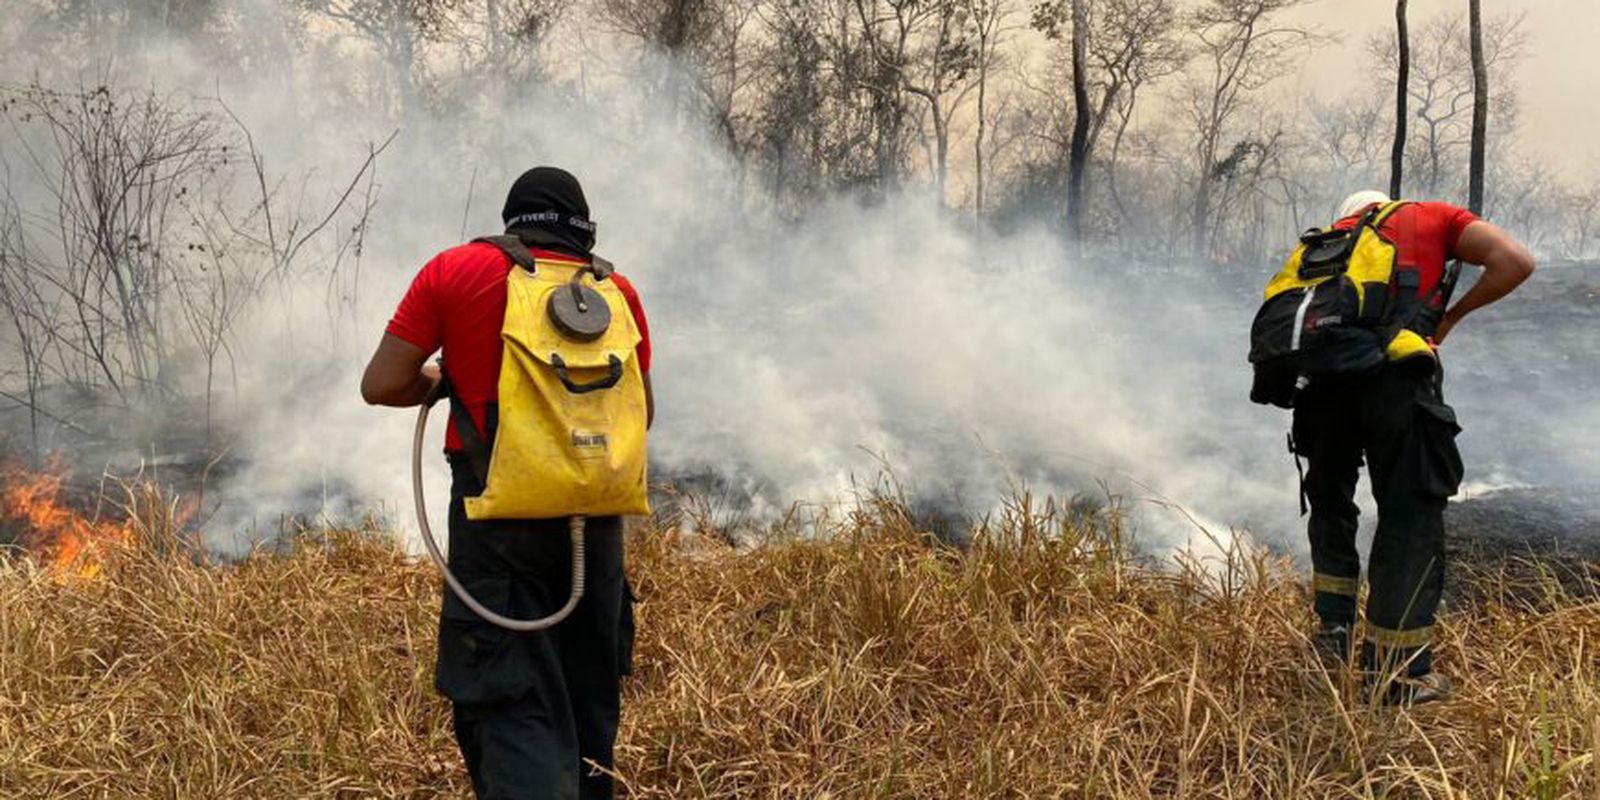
[
  {"x": 1341, "y": 305},
  {"x": 567, "y": 434}
]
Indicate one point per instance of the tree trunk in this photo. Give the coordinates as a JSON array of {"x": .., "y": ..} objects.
[
  {"x": 496, "y": 27},
  {"x": 1125, "y": 225},
  {"x": 1397, "y": 156},
  {"x": 1200, "y": 215},
  {"x": 1480, "y": 110},
  {"x": 1079, "y": 155},
  {"x": 403, "y": 57},
  {"x": 977, "y": 146}
]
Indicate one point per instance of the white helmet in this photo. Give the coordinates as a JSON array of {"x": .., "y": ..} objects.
[{"x": 1360, "y": 200}]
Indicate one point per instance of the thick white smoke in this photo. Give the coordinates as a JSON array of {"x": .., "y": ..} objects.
[{"x": 799, "y": 357}]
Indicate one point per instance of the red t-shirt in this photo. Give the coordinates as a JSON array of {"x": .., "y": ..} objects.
[
  {"x": 458, "y": 303},
  {"x": 1425, "y": 234}
]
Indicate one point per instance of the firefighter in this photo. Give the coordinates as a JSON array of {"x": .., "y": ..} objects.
[
  {"x": 535, "y": 714},
  {"x": 1396, "y": 420}
]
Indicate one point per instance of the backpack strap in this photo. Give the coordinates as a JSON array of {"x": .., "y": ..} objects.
[
  {"x": 1383, "y": 212},
  {"x": 472, "y": 441},
  {"x": 1420, "y": 309},
  {"x": 1447, "y": 284},
  {"x": 1426, "y": 319},
  {"x": 520, "y": 255},
  {"x": 512, "y": 247}
]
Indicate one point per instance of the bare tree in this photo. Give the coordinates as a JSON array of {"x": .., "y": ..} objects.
[
  {"x": 1241, "y": 50},
  {"x": 1337, "y": 153},
  {"x": 684, "y": 31},
  {"x": 141, "y": 247},
  {"x": 819, "y": 108},
  {"x": 921, "y": 48},
  {"x": 33, "y": 318},
  {"x": 120, "y": 29},
  {"x": 938, "y": 74},
  {"x": 1578, "y": 227},
  {"x": 988, "y": 20},
  {"x": 396, "y": 29},
  {"x": 1131, "y": 43},
  {"x": 845, "y": 89},
  {"x": 1244, "y": 194},
  {"x": 1397, "y": 158},
  {"x": 1480, "y": 109},
  {"x": 1134, "y": 43},
  {"x": 811, "y": 98},
  {"x": 212, "y": 298},
  {"x": 727, "y": 75},
  {"x": 1079, "y": 157},
  {"x": 1441, "y": 88},
  {"x": 115, "y": 170},
  {"x": 886, "y": 28},
  {"x": 1527, "y": 198},
  {"x": 512, "y": 31}
]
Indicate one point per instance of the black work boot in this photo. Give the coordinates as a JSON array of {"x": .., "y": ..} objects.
[
  {"x": 1415, "y": 691},
  {"x": 1332, "y": 645},
  {"x": 1403, "y": 676}
]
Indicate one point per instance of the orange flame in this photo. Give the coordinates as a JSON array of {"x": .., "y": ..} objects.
[{"x": 58, "y": 536}]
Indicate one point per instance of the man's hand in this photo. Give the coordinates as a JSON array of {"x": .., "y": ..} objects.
[
  {"x": 1443, "y": 330},
  {"x": 434, "y": 375},
  {"x": 1506, "y": 264},
  {"x": 398, "y": 374}
]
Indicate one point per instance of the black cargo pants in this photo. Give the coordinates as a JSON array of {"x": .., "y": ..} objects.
[
  {"x": 534, "y": 712},
  {"x": 1397, "y": 419}
]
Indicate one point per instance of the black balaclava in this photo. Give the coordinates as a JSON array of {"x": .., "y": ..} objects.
[{"x": 546, "y": 208}]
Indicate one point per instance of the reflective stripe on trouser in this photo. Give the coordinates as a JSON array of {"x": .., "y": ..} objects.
[
  {"x": 1398, "y": 652},
  {"x": 1334, "y": 598},
  {"x": 1397, "y": 422},
  {"x": 1393, "y": 639},
  {"x": 1335, "y": 584}
]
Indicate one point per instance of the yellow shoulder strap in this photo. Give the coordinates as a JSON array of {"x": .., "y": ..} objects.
[{"x": 1388, "y": 209}]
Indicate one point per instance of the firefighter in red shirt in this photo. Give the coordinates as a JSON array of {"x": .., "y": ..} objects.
[
  {"x": 1398, "y": 422},
  {"x": 535, "y": 713}
]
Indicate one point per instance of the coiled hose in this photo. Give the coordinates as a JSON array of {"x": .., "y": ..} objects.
[{"x": 575, "y": 525}]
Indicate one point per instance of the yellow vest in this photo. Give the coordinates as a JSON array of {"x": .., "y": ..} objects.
[{"x": 571, "y": 433}]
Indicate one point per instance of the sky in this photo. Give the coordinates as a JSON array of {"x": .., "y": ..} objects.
[{"x": 1558, "y": 80}]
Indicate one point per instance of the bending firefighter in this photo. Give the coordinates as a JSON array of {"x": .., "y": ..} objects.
[
  {"x": 546, "y": 359},
  {"x": 1348, "y": 337}
]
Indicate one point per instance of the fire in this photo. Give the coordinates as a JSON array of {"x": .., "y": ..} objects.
[{"x": 65, "y": 540}]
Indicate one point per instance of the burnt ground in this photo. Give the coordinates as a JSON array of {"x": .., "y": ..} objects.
[
  {"x": 1520, "y": 544},
  {"x": 1525, "y": 385}
]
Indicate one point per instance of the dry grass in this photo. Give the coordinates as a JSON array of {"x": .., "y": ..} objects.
[{"x": 1042, "y": 661}]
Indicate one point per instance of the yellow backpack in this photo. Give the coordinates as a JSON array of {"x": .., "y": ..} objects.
[
  {"x": 1338, "y": 306},
  {"x": 570, "y": 433}
]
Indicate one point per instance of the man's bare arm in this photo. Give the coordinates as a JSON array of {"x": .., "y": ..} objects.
[
  {"x": 1506, "y": 264},
  {"x": 398, "y": 374}
]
